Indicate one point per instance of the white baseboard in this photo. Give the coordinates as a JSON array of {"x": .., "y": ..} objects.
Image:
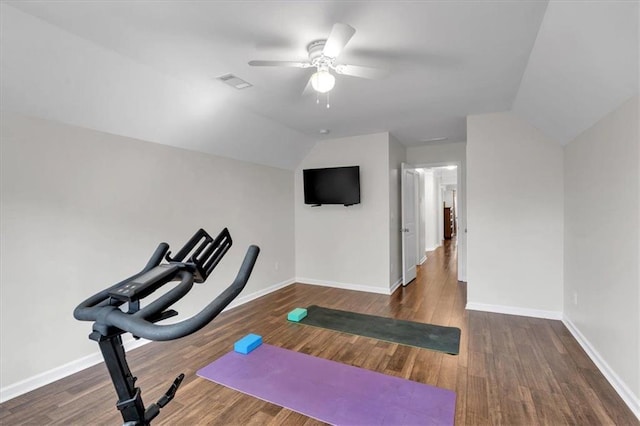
[
  {"x": 345, "y": 286},
  {"x": 618, "y": 384},
  {"x": 57, "y": 373},
  {"x": 252, "y": 296},
  {"x": 424, "y": 259},
  {"x": 395, "y": 286},
  {"x": 632, "y": 401},
  {"x": 513, "y": 310}
]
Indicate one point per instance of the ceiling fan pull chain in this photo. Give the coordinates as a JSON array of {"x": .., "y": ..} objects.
[{"x": 328, "y": 104}]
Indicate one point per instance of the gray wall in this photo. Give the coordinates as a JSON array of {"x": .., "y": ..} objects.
[
  {"x": 346, "y": 247},
  {"x": 515, "y": 205},
  {"x": 601, "y": 249},
  {"x": 83, "y": 209}
]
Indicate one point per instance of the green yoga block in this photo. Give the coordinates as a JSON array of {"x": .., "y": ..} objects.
[{"x": 297, "y": 314}]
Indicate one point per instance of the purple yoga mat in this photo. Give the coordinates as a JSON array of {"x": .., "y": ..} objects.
[{"x": 329, "y": 391}]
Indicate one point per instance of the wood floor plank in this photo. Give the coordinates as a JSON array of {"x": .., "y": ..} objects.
[
  {"x": 606, "y": 403},
  {"x": 511, "y": 370},
  {"x": 477, "y": 408},
  {"x": 461, "y": 396}
]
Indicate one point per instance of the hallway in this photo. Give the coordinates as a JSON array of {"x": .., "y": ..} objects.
[{"x": 435, "y": 296}]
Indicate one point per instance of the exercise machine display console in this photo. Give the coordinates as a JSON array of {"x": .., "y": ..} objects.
[{"x": 193, "y": 263}]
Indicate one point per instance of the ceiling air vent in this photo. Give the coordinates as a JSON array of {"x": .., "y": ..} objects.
[{"x": 234, "y": 81}]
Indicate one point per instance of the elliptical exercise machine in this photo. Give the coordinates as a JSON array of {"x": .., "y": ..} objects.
[{"x": 193, "y": 263}]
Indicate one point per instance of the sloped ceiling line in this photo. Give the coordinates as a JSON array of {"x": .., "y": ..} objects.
[{"x": 584, "y": 64}]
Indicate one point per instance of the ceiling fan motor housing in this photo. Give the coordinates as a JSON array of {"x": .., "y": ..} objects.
[{"x": 315, "y": 49}]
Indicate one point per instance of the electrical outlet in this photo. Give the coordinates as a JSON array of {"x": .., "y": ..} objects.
[
  {"x": 276, "y": 266},
  {"x": 575, "y": 298}
]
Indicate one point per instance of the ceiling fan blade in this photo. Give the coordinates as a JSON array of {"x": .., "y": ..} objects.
[
  {"x": 362, "y": 72},
  {"x": 338, "y": 39},
  {"x": 287, "y": 64}
]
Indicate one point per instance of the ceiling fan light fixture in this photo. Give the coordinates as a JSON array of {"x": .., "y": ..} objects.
[{"x": 323, "y": 81}]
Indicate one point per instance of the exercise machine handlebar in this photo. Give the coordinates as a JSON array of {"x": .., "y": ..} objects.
[
  {"x": 97, "y": 307},
  {"x": 192, "y": 264}
]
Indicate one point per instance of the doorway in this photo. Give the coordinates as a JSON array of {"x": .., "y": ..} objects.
[{"x": 439, "y": 212}]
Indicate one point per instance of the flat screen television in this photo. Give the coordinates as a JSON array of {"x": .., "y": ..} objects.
[{"x": 334, "y": 185}]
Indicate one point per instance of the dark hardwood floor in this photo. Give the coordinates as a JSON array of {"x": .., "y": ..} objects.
[{"x": 511, "y": 370}]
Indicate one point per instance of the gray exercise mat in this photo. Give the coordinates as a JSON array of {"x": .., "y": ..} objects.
[{"x": 421, "y": 335}]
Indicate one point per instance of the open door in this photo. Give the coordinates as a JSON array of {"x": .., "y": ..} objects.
[{"x": 409, "y": 235}]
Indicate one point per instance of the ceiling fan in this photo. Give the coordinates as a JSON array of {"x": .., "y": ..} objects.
[{"x": 322, "y": 56}]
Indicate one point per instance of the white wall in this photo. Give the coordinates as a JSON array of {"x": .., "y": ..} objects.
[
  {"x": 449, "y": 177},
  {"x": 515, "y": 217},
  {"x": 347, "y": 246},
  {"x": 422, "y": 216},
  {"x": 441, "y": 154},
  {"x": 448, "y": 196},
  {"x": 602, "y": 280},
  {"x": 431, "y": 211},
  {"x": 397, "y": 155},
  {"x": 82, "y": 209},
  {"x": 440, "y": 209}
]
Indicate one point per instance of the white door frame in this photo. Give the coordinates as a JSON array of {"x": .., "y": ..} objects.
[{"x": 462, "y": 209}]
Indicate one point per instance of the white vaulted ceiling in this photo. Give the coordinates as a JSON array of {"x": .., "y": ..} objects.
[
  {"x": 147, "y": 69},
  {"x": 584, "y": 64}
]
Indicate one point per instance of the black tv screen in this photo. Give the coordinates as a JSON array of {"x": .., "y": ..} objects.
[{"x": 335, "y": 185}]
